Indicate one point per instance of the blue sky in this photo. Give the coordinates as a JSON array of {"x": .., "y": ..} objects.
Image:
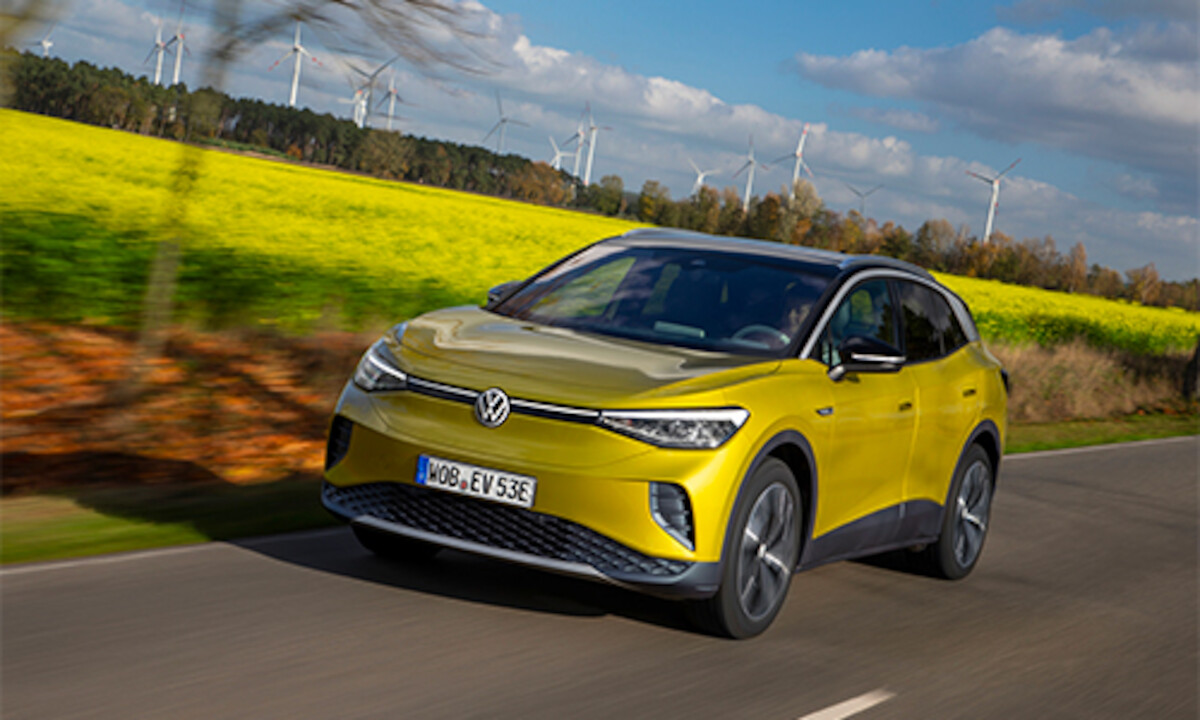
[{"x": 1100, "y": 99}]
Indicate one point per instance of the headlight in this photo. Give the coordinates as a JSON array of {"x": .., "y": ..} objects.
[
  {"x": 377, "y": 370},
  {"x": 677, "y": 428}
]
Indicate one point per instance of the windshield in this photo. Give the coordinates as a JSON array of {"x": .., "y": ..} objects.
[{"x": 675, "y": 296}]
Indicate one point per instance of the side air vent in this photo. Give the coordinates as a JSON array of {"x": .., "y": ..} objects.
[
  {"x": 671, "y": 509},
  {"x": 339, "y": 441}
]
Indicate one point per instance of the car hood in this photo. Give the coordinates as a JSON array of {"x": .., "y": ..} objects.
[{"x": 473, "y": 348}]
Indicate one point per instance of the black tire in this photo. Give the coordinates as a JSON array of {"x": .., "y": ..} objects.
[
  {"x": 965, "y": 520},
  {"x": 393, "y": 547},
  {"x": 760, "y": 555}
]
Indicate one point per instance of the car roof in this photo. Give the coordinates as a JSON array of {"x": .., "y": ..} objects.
[{"x": 833, "y": 262}]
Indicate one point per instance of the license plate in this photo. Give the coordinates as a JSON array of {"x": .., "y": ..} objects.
[{"x": 481, "y": 482}]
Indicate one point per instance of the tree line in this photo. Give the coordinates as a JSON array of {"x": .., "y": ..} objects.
[{"x": 112, "y": 98}]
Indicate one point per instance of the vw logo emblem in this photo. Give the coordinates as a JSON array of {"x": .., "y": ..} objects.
[{"x": 492, "y": 407}]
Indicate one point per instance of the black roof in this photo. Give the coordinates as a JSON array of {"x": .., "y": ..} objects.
[{"x": 825, "y": 258}]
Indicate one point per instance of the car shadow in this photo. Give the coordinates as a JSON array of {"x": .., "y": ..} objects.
[{"x": 462, "y": 576}]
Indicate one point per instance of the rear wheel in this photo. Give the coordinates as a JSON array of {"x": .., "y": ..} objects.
[
  {"x": 965, "y": 521},
  {"x": 759, "y": 557},
  {"x": 391, "y": 546}
]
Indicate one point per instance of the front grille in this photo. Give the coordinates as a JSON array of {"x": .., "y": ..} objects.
[{"x": 497, "y": 526}]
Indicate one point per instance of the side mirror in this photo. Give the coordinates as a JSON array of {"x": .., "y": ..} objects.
[
  {"x": 497, "y": 293},
  {"x": 866, "y": 354}
]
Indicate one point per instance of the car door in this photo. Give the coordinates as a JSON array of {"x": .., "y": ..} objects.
[
  {"x": 947, "y": 395},
  {"x": 872, "y": 415}
]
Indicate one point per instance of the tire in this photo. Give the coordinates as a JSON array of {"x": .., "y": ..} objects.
[
  {"x": 965, "y": 520},
  {"x": 762, "y": 548},
  {"x": 393, "y": 547}
]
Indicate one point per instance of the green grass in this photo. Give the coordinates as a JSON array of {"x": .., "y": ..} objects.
[
  {"x": 79, "y": 523},
  {"x": 1080, "y": 433}
]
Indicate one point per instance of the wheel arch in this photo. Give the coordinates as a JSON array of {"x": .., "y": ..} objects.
[
  {"x": 792, "y": 449},
  {"x": 987, "y": 436}
]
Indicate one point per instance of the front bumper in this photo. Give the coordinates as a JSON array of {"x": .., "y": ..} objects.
[{"x": 516, "y": 535}]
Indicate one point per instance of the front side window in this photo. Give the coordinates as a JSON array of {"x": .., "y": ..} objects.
[
  {"x": 704, "y": 299},
  {"x": 866, "y": 311}
]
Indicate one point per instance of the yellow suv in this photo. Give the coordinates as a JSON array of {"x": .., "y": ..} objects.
[{"x": 688, "y": 416}]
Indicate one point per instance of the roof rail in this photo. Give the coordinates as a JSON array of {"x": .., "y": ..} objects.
[{"x": 863, "y": 261}]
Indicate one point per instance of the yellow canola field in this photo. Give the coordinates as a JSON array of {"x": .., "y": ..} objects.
[
  {"x": 328, "y": 220},
  {"x": 400, "y": 234}
]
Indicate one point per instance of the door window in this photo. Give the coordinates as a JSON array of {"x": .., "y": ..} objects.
[
  {"x": 867, "y": 311},
  {"x": 930, "y": 328}
]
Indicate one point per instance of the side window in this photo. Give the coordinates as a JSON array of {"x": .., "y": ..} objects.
[
  {"x": 922, "y": 337},
  {"x": 953, "y": 335},
  {"x": 930, "y": 328},
  {"x": 867, "y": 311}
]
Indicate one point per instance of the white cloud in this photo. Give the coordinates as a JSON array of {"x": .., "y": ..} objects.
[{"x": 1133, "y": 98}]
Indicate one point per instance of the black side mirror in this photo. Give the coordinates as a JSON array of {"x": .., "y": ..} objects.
[
  {"x": 500, "y": 291},
  {"x": 866, "y": 354}
]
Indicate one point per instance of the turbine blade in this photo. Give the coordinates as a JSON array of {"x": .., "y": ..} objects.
[
  {"x": 492, "y": 131},
  {"x": 694, "y": 166},
  {"x": 150, "y": 55},
  {"x": 276, "y": 63},
  {"x": 499, "y": 105},
  {"x": 977, "y": 175},
  {"x": 743, "y": 169},
  {"x": 877, "y": 187},
  {"x": 1010, "y": 167},
  {"x": 808, "y": 170},
  {"x": 784, "y": 157},
  {"x": 518, "y": 122}
]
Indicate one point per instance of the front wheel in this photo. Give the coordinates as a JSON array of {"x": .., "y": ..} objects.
[
  {"x": 759, "y": 556},
  {"x": 965, "y": 521}
]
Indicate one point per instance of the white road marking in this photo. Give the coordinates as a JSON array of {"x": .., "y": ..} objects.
[
  {"x": 1096, "y": 448},
  {"x": 853, "y": 706},
  {"x": 162, "y": 552}
]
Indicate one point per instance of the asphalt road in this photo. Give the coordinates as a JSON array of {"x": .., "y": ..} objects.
[{"x": 1084, "y": 606}]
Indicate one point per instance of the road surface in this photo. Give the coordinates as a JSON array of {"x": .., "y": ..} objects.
[{"x": 1084, "y": 606}]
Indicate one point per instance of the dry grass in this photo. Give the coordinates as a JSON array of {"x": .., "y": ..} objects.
[{"x": 1077, "y": 381}]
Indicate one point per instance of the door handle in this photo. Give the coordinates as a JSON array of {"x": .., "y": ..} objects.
[
  {"x": 905, "y": 406},
  {"x": 968, "y": 392}
]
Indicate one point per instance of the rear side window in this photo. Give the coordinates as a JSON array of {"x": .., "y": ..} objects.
[{"x": 930, "y": 328}]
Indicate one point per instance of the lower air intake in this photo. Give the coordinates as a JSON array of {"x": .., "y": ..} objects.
[{"x": 498, "y": 526}]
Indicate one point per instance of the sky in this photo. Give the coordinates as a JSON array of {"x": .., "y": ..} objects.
[{"x": 1099, "y": 99}]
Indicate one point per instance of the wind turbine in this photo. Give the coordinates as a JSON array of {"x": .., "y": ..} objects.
[
  {"x": 177, "y": 41},
  {"x": 862, "y": 197},
  {"x": 995, "y": 201},
  {"x": 593, "y": 128},
  {"x": 580, "y": 139},
  {"x": 391, "y": 96},
  {"x": 358, "y": 100},
  {"x": 750, "y": 165},
  {"x": 501, "y": 125},
  {"x": 159, "y": 48},
  {"x": 559, "y": 154},
  {"x": 700, "y": 175},
  {"x": 297, "y": 50},
  {"x": 46, "y": 43},
  {"x": 368, "y": 85},
  {"x": 799, "y": 156}
]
